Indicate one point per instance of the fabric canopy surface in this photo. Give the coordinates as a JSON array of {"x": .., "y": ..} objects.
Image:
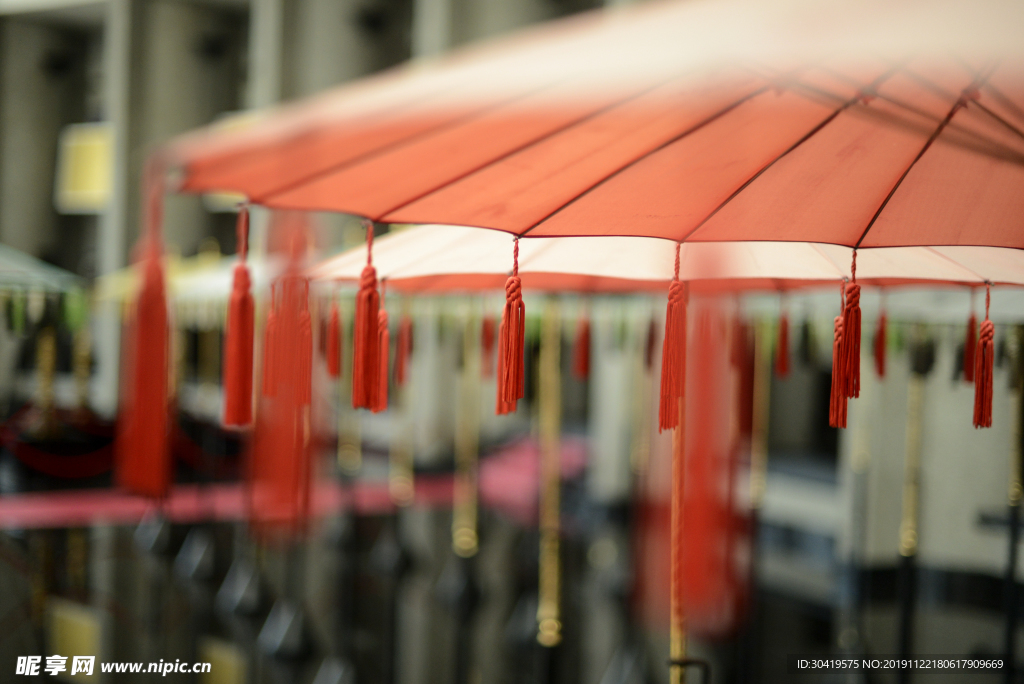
[
  {"x": 451, "y": 258},
  {"x": 850, "y": 123}
]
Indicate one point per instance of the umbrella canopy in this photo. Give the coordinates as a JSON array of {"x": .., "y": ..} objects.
[
  {"x": 695, "y": 121},
  {"x": 20, "y": 270},
  {"x": 446, "y": 258}
]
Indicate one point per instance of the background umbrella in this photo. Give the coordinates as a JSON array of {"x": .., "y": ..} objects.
[{"x": 443, "y": 258}]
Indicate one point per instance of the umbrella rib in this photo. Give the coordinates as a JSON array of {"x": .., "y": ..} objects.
[
  {"x": 604, "y": 179},
  {"x": 950, "y": 259},
  {"x": 840, "y": 272},
  {"x": 526, "y": 145},
  {"x": 1009, "y": 126},
  {"x": 807, "y": 136},
  {"x": 980, "y": 138},
  {"x": 960, "y": 103},
  {"x": 1000, "y": 96}
]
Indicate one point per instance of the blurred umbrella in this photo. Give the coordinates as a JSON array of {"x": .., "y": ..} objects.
[
  {"x": 452, "y": 258},
  {"x": 705, "y": 122}
]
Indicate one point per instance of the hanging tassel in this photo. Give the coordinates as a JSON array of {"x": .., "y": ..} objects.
[
  {"x": 581, "y": 349},
  {"x": 404, "y": 350},
  {"x": 384, "y": 346},
  {"x": 487, "y": 338},
  {"x": 511, "y": 342},
  {"x": 280, "y": 460},
  {"x": 365, "y": 349},
  {"x": 333, "y": 342},
  {"x": 238, "y": 341},
  {"x": 782, "y": 346},
  {"x": 970, "y": 347},
  {"x": 673, "y": 353},
  {"x": 851, "y": 334},
  {"x": 983, "y": 360},
  {"x": 838, "y": 399},
  {"x": 881, "y": 334},
  {"x": 142, "y": 451}
]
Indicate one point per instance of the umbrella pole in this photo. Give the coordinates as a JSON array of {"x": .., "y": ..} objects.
[
  {"x": 922, "y": 359},
  {"x": 677, "y": 624},
  {"x": 549, "y": 625},
  {"x": 1015, "y": 496}
]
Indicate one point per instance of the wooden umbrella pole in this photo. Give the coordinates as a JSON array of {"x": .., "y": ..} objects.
[
  {"x": 677, "y": 610},
  {"x": 549, "y": 625},
  {"x": 677, "y": 616},
  {"x": 467, "y": 444},
  {"x": 81, "y": 360},
  {"x": 1015, "y": 495}
]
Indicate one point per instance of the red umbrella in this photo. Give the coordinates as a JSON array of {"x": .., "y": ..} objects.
[{"x": 685, "y": 121}]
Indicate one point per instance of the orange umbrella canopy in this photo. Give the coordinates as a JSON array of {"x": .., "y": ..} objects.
[
  {"x": 878, "y": 124},
  {"x": 439, "y": 258}
]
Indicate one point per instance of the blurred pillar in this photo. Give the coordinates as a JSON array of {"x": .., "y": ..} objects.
[
  {"x": 266, "y": 49},
  {"x": 120, "y": 69}
]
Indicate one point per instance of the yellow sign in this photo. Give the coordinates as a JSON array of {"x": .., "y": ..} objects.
[{"x": 84, "y": 168}]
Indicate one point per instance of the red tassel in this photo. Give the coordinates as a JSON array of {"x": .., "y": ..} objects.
[
  {"x": 983, "y": 361},
  {"x": 673, "y": 354},
  {"x": 851, "y": 340},
  {"x": 280, "y": 461},
  {"x": 511, "y": 342},
  {"x": 782, "y": 347},
  {"x": 142, "y": 446},
  {"x": 404, "y": 350},
  {"x": 384, "y": 346},
  {"x": 487, "y": 339},
  {"x": 881, "y": 333},
  {"x": 238, "y": 341},
  {"x": 581, "y": 349},
  {"x": 365, "y": 350},
  {"x": 970, "y": 347},
  {"x": 333, "y": 345},
  {"x": 838, "y": 400}
]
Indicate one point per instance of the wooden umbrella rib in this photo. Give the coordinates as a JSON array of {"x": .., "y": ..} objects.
[
  {"x": 960, "y": 103},
  {"x": 604, "y": 179},
  {"x": 1004, "y": 100}
]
